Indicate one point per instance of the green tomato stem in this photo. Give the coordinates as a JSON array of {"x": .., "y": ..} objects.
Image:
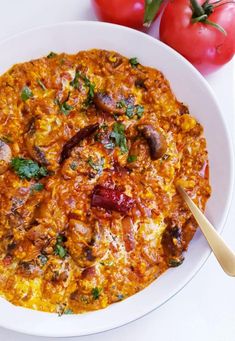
[
  {"x": 201, "y": 13},
  {"x": 220, "y": 28},
  {"x": 199, "y": 19},
  {"x": 197, "y": 9}
]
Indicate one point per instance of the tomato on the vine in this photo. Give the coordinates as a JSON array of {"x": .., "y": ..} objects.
[
  {"x": 202, "y": 31},
  {"x": 129, "y": 13}
]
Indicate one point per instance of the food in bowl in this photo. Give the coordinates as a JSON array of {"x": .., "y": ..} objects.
[{"x": 92, "y": 146}]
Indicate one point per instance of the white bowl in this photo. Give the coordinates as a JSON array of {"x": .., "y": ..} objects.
[{"x": 190, "y": 88}]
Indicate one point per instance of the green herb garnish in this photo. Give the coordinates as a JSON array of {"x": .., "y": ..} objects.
[
  {"x": 59, "y": 249},
  {"x": 28, "y": 169},
  {"x": 40, "y": 83},
  {"x": 43, "y": 259},
  {"x": 134, "y": 62},
  {"x": 121, "y": 104},
  {"x": 73, "y": 165},
  {"x": 51, "y": 55},
  {"x": 131, "y": 158},
  {"x": 88, "y": 84},
  {"x": 65, "y": 108},
  {"x": 26, "y": 93},
  {"x": 131, "y": 110},
  {"x": 96, "y": 293},
  {"x": 74, "y": 83},
  {"x": 98, "y": 167},
  {"x": 139, "y": 110},
  {"x": 37, "y": 187},
  {"x": 68, "y": 311},
  {"x": 118, "y": 135}
]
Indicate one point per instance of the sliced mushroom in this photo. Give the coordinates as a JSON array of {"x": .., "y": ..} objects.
[
  {"x": 5, "y": 156},
  {"x": 156, "y": 141},
  {"x": 105, "y": 102},
  {"x": 173, "y": 245},
  {"x": 85, "y": 243}
]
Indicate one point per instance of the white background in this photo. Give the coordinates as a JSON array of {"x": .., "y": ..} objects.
[{"x": 205, "y": 308}]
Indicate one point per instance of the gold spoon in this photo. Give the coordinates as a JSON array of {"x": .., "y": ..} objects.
[{"x": 222, "y": 252}]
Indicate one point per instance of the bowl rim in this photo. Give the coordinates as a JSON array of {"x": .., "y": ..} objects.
[{"x": 230, "y": 194}]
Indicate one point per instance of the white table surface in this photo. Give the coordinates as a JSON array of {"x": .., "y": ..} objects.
[{"x": 205, "y": 308}]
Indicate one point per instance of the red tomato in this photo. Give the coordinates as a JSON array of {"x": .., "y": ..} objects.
[
  {"x": 203, "y": 45},
  {"x": 123, "y": 12}
]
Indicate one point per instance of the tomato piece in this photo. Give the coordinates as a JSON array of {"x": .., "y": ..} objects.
[
  {"x": 204, "y": 45},
  {"x": 123, "y": 12}
]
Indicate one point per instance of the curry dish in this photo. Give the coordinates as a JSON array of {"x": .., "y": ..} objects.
[{"x": 92, "y": 146}]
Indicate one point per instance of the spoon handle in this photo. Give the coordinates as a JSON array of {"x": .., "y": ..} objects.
[{"x": 222, "y": 252}]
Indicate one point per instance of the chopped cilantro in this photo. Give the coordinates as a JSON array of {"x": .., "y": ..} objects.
[
  {"x": 88, "y": 84},
  {"x": 139, "y": 109},
  {"x": 37, "y": 187},
  {"x": 98, "y": 167},
  {"x": 51, "y": 55},
  {"x": 131, "y": 158},
  {"x": 74, "y": 83},
  {"x": 91, "y": 87},
  {"x": 120, "y": 297},
  {"x": 40, "y": 83},
  {"x": 96, "y": 293},
  {"x": 73, "y": 165},
  {"x": 131, "y": 110},
  {"x": 43, "y": 259},
  {"x": 65, "y": 108},
  {"x": 118, "y": 135},
  {"x": 59, "y": 249},
  {"x": 26, "y": 93},
  {"x": 68, "y": 311},
  {"x": 28, "y": 169},
  {"x": 121, "y": 104},
  {"x": 134, "y": 62}
]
